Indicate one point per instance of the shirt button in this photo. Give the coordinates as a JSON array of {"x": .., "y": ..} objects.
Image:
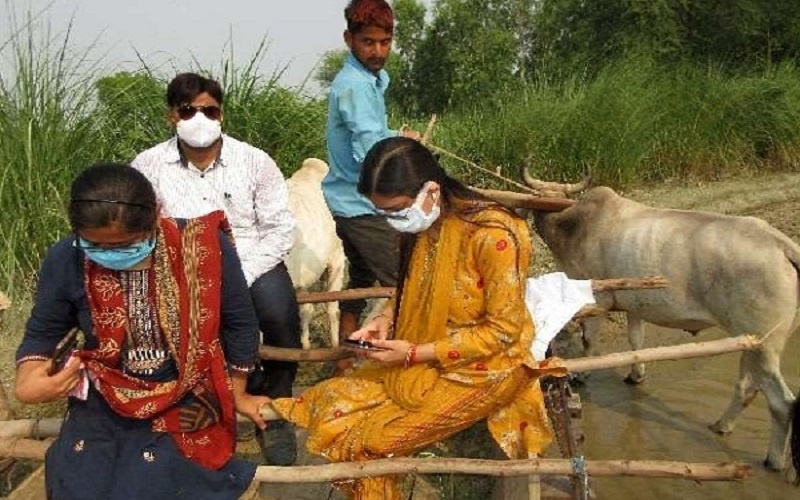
[{"x": 202, "y": 176}]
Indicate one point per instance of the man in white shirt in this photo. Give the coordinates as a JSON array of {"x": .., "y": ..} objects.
[{"x": 201, "y": 170}]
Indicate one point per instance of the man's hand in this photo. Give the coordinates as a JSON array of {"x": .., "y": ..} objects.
[
  {"x": 248, "y": 404},
  {"x": 411, "y": 134}
]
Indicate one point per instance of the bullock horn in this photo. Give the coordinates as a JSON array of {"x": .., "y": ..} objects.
[{"x": 553, "y": 187}]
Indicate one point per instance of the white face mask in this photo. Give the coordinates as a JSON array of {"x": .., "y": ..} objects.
[
  {"x": 414, "y": 219},
  {"x": 199, "y": 131}
]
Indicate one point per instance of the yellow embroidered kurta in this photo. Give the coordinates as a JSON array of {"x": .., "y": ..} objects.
[{"x": 465, "y": 292}]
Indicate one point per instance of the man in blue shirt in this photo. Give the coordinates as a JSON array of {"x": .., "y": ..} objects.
[{"x": 356, "y": 121}]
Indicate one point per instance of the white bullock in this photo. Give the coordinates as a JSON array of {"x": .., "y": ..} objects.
[
  {"x": 738, "y": 273},
  {"x": 316, "y": 248}
]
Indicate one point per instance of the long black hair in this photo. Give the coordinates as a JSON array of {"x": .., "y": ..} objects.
[
  {"x": 112, "y": 193},
  {"x": 399, "y": 166}
]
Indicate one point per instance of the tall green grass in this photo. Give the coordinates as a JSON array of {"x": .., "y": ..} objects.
[
  {"x": 60, "y": 113},
  {"x": 132, "y": 113},
  {"x": 47, "y": 133},
  {"x": 636, "y": 122}
]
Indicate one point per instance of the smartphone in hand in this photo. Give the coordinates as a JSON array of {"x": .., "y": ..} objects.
[
  {"x": 63, "y": 350},
  {"x": 362, "y": 345}
]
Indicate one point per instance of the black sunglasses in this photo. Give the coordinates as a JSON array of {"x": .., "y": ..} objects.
[{"x": 187, "y": 111}]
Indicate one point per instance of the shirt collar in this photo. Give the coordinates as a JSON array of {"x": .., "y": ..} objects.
[
  {"x": 172, "y": 153},
  {"x": 381, "y": 79}
]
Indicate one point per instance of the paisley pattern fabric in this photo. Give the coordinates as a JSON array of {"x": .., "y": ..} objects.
[
  {"x": 464, "y": 292},
  {"x": 196, "y": 408}
]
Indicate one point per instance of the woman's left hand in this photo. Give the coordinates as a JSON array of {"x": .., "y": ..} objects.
[{"x": 394, "y": 351}]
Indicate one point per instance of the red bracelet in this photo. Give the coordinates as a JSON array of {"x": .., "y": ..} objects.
[{"x": 411, "y": 355}]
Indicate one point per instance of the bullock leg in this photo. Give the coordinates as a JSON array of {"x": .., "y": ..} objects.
[
  {"x": 335, "y": 283},
  {"x": 590, "y": 328},
  {"x": 332, "y": 309},
  {"x": 636, "y": 340},
  {"x": 761, "y": 370},
  {"x": 779, "y": 400},
  {"x": 306, "y": 313},
  {"x": 744, "y": 392}
]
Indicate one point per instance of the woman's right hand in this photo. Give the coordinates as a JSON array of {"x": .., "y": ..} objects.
[
  {"x": 34, "y": 385},
  {"x": 378, "y": 327}
]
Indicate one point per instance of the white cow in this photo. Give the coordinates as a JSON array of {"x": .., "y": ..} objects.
[
  {"x": 738, "y": 273},
  {"x": 316, "y": 247}
]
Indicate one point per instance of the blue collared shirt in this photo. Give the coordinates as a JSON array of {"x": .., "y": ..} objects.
[{"x": 356, "y": 121}]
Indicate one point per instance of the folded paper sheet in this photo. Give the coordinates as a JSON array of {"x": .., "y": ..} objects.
[{"x": 553, "y": 299}]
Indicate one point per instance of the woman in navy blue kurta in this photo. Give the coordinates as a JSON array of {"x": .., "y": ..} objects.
[{"x": 170, "y": 336}]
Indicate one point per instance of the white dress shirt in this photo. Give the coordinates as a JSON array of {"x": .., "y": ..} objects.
[{"x": 244, "y": 182}]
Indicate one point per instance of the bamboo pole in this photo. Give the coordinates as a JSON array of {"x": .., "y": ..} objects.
[
  {"x": 377, "y": 292},
  {"x": 681, "y": 351},
  {"x": 51, "y": 426},
  {"x": 317, "y": 354},
  {"x": 522, "y": 200},
  {"x": 332, "y": 354},
  {"x": 611, "y": 284},
  {"x": 35, "y": 449},
  {"x": 662, "y": 353},
  {"x": 24, "y": 448},
  {"x": 502, "y": 468},
  {"x": 30, "y": 428}
]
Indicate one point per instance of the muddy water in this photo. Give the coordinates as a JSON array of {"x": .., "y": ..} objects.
[{"x": 666, "y": 418}]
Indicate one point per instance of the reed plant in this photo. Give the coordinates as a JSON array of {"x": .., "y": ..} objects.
[
  {"x": 47, "y": 135},
  {"x": 285, "y": 122},
  {"x": 636, "y": 122},
  {"x": 60, "y": 113}
]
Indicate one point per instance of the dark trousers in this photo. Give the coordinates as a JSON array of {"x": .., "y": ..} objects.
[
  {"x": 279, "y": 320},
  {"x": 370, "y": 245}
]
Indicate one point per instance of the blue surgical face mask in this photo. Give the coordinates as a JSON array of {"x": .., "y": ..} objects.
[{"x": 119, "y": 258}]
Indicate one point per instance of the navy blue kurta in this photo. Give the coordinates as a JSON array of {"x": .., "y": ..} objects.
[{"x": 100, "y": 454}]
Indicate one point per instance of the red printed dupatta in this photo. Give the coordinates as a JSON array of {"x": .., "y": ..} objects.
[{"x": 187, "y": 268}]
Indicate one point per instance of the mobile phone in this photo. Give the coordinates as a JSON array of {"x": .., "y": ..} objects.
[
  {"x": 364, "y": 345},
  {"x": 63, "y": 351}
]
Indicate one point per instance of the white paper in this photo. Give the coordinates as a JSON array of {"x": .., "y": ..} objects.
[{"x": 553, "y": 299}]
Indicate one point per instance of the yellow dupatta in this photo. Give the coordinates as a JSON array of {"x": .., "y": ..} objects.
[{"x": 424, "y": 308}]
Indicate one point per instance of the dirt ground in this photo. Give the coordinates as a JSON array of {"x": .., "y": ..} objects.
[{"x": 774, "y": 197}]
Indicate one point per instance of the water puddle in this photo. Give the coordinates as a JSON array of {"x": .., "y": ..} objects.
[{"x": 667, "y": 418}]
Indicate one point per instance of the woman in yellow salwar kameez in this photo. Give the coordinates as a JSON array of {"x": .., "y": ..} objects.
[{"x": 457, "y": 335}]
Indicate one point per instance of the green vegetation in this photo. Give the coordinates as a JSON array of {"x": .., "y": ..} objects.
[
  {"x": 564, "y": 85},
  {"x": 59, "y": 114}
]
